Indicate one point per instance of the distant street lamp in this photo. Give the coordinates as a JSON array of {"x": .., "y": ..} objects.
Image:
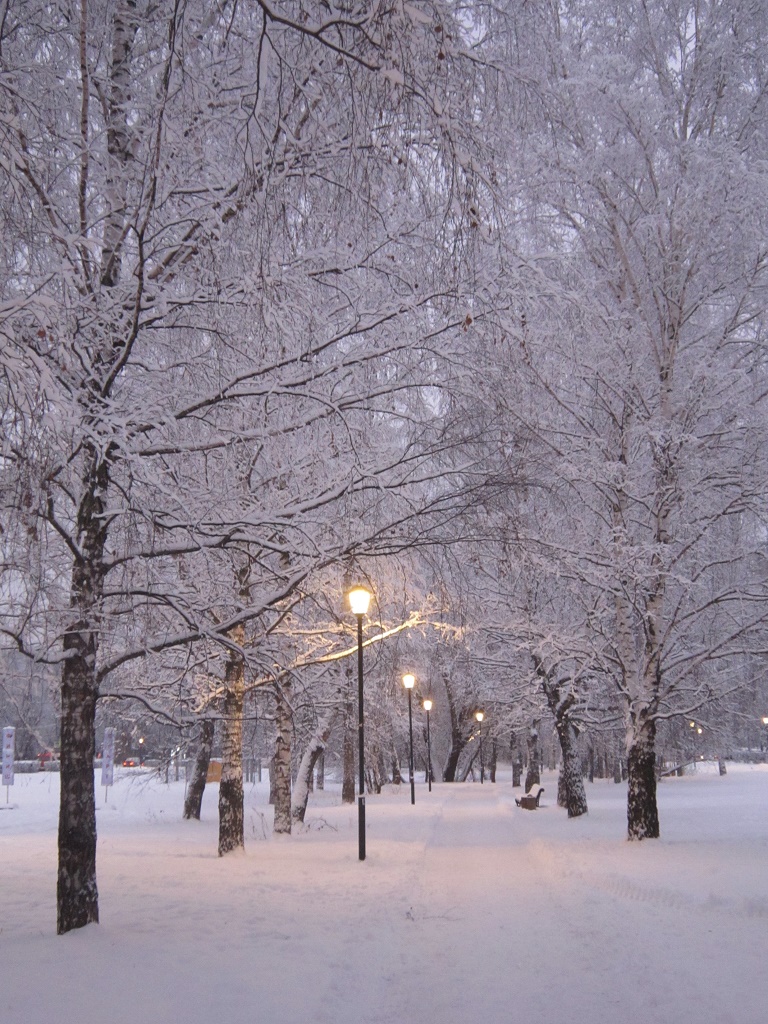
[
  {"x": 428, "y": 707},
  {"x": 480, "y": 715},
  {"x": 359, "y": 599},
  {"x": 141, "y": 750},
  {"x": 409, "y": 681},
  {"x": 764, "y": 720}
]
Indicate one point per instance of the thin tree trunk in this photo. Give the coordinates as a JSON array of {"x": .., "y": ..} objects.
[
  {"x": 348, "y": 747},
  {"x": 458, "y": 736},
  {"x": 517, "y": 770},
  {"x": 397, "y": 777},
  {"x": 533, "y": 775},
  {"x": 517, "y": 760},
  {"x": 272, "y": 781},
  {"x": 375, "y": 769},
  {"x": 312, "y": 756},
  {"x": 194, "y": 800},
  {"x": 469, "y": 770},
  {"x": 231, "y": 814},
  {"x": 282, "y": 761}
]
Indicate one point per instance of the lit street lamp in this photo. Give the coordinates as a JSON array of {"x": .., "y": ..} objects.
[
  {"x": 409, "y": 682},
  {"x": 359, "y": 599},
  {"x": 428, "y": 708},
  {"x": 699, "y": 732},
  {"x": 764, "y": 720},
  {"x": 479, "y": 715}
]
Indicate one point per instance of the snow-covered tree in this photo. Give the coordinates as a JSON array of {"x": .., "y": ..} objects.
[
  {"x": 646, "y": 188},
  {"x": 227, "y": 253}
]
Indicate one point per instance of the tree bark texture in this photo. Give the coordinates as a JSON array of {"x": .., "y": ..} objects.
[
  {"x": 570, "y": 784},
  {"x": 349, "y": 741},
  {"x": 642, "y": 810},
  {"x": 231, "y": 814},
  {"x": 282, "y": 760},
  {"x": 77, "y": 901},
  {"x": 194, "y": 799}
]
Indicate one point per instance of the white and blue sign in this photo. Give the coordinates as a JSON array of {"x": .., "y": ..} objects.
[
  {"x": 9, "y": 742},
  {"x": 108, "y": 757}
]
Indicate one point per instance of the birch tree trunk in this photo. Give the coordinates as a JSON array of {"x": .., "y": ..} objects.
[
  {"x": 642, "y": 810},
  {"x": 231, "y": 815},
  {"x": 312, "y": 756},
  {"x": 394, "y": 760},
  {"x": 348, "y": 746},
  {"x": 570, "y": 784},
  {"x": 282, "y": 760},
  {"x": 76, "y": 892}
]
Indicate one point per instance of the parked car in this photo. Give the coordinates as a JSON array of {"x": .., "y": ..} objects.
[
  {"x": 45, "y": 756},
  {"x": 132, "y": 762}
]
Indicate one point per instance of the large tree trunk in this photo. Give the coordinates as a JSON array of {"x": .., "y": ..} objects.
[
  {"x": 77, "y": 901},
  {"x": 231, "y": 814},
  {"x": 194, "y": 799},
  {"x": 570, "y": 784},
  {"x": 282, "y": 760},
  {"x": 642, "y": 811},
  {"x": 76, "y": 891},
  {"x": 312, "y": 755}
]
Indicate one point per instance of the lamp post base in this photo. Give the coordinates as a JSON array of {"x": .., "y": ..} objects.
[{"x": 361, "y": 827}]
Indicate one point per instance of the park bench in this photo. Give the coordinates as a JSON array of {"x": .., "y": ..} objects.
[{"x": 531, "y": 799}]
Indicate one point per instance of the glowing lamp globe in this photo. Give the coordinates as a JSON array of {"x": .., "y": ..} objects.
[{"x": 359, "y": 599}]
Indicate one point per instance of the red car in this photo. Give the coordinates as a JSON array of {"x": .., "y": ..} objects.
[{"x": 44, "y": 756}]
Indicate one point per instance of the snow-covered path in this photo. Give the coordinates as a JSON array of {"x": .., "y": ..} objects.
[{"x": 466, "y": 909}]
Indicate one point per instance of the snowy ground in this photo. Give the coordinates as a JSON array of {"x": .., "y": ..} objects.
[{"x": 467, "y": 910}]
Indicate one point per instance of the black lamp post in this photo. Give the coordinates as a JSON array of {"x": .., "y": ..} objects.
[
  {"x": 428, "y": 708},
  {"x": 409, "y": 682},
  {"x": 359, "y": 599},
  {"x": 479, "y": 715}
]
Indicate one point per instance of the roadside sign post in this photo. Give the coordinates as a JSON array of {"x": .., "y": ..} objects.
[
  {"x": 9, "y": 742},
  {"x": 108, "y": 760}
]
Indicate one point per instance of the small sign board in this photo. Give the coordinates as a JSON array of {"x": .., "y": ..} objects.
[
  {"x": 9, "y": 742},
  {"x": 214, "y": 771},
  {"x": 108, "y": 758}
]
